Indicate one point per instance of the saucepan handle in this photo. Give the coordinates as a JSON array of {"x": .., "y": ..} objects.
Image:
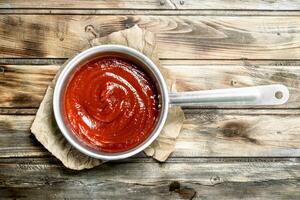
[{"x": 276, "y": 94}]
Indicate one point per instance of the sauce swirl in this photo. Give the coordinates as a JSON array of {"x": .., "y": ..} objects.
[{"x": 110, "y": 104}]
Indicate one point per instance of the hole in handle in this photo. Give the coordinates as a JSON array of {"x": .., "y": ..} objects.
[{"x": 278, "y": 95}]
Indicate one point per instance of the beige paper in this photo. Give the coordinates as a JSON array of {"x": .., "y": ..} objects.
[{"x": 46, "y": 131}]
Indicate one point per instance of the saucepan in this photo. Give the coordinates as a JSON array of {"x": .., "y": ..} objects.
[{"x": 276, "y": 94}]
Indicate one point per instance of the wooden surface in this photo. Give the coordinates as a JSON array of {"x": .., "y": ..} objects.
[
  {"x": 179, "y": 37},
  {"x": 155, "y": 4},
  {"x": 221, "y": 153}
]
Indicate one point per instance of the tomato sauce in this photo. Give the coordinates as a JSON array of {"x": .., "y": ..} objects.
[{"x": 110, "y": 104}]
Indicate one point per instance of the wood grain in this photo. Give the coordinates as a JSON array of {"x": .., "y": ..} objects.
[
  {"x": 24, "y": 85},
  {"x": 208, "y": 75},
  {"x": 185, "y": 179},
  {"x": 222, "y": 35},
  {"x": 238, "y": 133},
  {"x": 156, "y": 4},
  {"x": 89, "y": 4},
  {"x": 238, "y": 5},
  {"x": 206, "y": 133},
  {"x": 184, "y": 37},
  {"x": 127, "y": 12},
  {"x": 16, "y": 139}
]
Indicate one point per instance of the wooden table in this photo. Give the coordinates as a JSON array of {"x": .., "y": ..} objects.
[{"x": 224, "y": 153}]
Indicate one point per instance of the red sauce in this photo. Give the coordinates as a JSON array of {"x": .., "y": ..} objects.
[{"x": 110, "y": 104}]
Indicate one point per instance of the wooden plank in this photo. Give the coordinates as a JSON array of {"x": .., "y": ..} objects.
[
  {"x": 208, "y": 75},
  {"x": 206, "y": 133},
  {"x": 155, "y": 4},
  {"x": 24, "y": 85},
  {"x": 176, "y": 12},
  {"x": 89, "y": 4},
  {"x": 186, "y": 37},
  {"x": 238, "y": 133},
  {"x": 252, "y": 179},
  {"x": 16, "y": 139},
  {"x": 238, "y": 5}
]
